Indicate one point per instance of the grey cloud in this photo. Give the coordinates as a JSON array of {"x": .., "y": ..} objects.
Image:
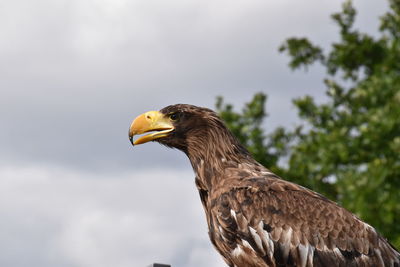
[
  {"x": 74, "y": 73},
  {"x": 56, "y": 217}
]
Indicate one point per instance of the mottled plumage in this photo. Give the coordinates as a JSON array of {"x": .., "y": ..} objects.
[{"x": 255, "y": 218}]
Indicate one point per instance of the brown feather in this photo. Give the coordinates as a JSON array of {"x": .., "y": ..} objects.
[{"x": 257, "y": 219}]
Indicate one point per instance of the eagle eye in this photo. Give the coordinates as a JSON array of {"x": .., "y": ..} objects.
[{"x": 173, "y": 116}]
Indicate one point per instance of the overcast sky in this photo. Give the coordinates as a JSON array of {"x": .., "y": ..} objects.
[{"x": 74, "y": 73}]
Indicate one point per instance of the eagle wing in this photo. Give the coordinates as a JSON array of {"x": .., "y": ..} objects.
[{"x": 264, "y": 221}]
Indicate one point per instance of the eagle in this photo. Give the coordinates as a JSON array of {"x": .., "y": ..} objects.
[{"x": 255, "y": 218}]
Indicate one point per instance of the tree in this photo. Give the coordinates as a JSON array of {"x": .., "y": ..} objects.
[
  {"x": 349, "y": 147},
  {"x": 247, "y": 127}
]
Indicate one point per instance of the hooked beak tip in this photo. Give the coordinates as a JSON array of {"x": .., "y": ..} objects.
[{"x": 131, "y": 138}]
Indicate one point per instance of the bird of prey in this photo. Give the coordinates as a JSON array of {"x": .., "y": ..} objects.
[{"x": 255, "y": 218}]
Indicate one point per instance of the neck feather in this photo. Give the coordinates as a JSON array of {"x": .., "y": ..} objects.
[{"x": 211, "y": 150}]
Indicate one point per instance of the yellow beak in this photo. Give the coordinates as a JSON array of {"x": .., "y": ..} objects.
[{"x": 147, "y": 122}]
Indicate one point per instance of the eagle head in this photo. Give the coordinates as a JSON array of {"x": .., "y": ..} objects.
[{"x": 174, "y": 126}]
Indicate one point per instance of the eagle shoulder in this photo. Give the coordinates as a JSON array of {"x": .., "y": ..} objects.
[{"x": 280, "y": 223}]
